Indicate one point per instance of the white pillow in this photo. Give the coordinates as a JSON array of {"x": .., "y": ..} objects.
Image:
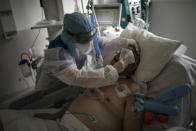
[
  {"x": 131, "y": 32},
  {"x": 155, "y": 52}
]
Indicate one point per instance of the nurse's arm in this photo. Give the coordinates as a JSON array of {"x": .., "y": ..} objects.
[{"x": 88, "y": 78}]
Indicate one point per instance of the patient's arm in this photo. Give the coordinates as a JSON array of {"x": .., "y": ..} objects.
[
  {"x": 50, "y": 116},
  {"x": 114, "y": 113},
  {"x": 132, "y": 118}
]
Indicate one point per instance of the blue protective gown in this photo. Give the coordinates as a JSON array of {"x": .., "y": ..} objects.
[{"x": 63, "y": 64}]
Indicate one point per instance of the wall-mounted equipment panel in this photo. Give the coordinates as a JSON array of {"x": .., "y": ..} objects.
[
  {"x": 135, "y": 8},
  {"x": 7, "y": 22}
]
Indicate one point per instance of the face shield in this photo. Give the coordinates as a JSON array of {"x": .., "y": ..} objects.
[
  {"x": 84, "y": 40},
  {"x": 83, "y": 37},
  {"x": 78, "y": 28},
  {"x": 85, "y": 48}
]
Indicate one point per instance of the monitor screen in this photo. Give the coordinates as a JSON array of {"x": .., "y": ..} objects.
[{"x": 108, "y": 15}]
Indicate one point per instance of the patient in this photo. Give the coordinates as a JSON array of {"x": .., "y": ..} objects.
[{"x": 111, "y": 111}]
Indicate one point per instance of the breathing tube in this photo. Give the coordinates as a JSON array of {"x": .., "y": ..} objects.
[{"x": 95, "y": 42}]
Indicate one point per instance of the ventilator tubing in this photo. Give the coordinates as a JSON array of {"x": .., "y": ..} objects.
[
  {"x": 174, "y": 93},
  {"x": 95, "y": 39},
  {"x": 155, "y": 107}
]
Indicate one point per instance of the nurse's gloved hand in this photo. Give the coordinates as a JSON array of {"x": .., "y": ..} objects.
[{"x": 126, "y": 57}]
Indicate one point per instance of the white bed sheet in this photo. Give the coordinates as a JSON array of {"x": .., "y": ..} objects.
[
  {"x": 23, "y": 120},
  {"x": 181, "y": 69}
]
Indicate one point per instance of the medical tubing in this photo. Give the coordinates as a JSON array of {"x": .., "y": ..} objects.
[
  {"x": 82, "y": 6},
  {"x": 156, "y": 107},
  {"x": 95, "y": 39},
  {"x": 139, "y": 106},
  {"x": 174, "y": 93},
  {"x": 34, "y": 41}
]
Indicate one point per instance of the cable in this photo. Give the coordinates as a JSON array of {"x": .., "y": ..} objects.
[
  {"x": 29, "y": 56},
  {"x": 82, "y": 6},
  {"x": 35, "y": 38},
  {"x": 88, "y": 6},
  {"x": 25, "y": 81},
  {"x": 34, "y": 41},
  {"x": 33, "y": 76}
]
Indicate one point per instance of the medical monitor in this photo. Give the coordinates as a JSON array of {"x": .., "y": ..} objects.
[{"x": 108, "y": 14}]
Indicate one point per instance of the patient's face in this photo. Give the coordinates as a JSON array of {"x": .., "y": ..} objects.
[{"x": 132, "y": 67}]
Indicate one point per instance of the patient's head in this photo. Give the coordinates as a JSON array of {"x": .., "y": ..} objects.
[{"x": 132, "y": 67}]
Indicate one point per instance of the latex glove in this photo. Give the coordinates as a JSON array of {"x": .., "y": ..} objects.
[{"x": 126, "y": 58}]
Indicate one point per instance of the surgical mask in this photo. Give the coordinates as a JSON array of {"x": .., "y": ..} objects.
[{"x": 84, "y": 47}]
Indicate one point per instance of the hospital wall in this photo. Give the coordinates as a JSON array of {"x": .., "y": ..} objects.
[
  {"x": 26, "y": 13},
  {"x": 69, "y": 5},
  {"x": 175, "y": 19}
]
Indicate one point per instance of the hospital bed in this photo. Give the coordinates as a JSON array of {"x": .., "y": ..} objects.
[
  {"x": 104, "y": 115},
  {"x": 180, "y": 69}
]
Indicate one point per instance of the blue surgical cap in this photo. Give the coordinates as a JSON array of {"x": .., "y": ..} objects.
[
  {"x": 77, "y": 23},
  {"x": 74, "y": 23}
]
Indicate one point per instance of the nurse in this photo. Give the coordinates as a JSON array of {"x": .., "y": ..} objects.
[{"x": 71, "y": 59}]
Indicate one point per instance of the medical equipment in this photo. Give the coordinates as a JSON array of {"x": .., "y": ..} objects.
[
  {"x": 112, "y": 32},
  {"x": 131, "y": 9},
  {"x": 25, "y": 68},
  {"x": 134, "y": 9},
  {"x": 148, "y": 118},
  {"x": 145, "y": 6},
  {"x": 156, "y": 107},
  {"x": 93, "y": 17},
  {"x": 25, "y": 64},
  {"x": 53, "y": 10},
  {"x": 95, "y": 42},
  {"x": 108, "y": 14},
  {"x": 162, "y": 98},
  {"x": 76, "y": 7},
  {"x": 125, "y": 18},
  {"x": 90, "y": 6},
  {"x": 108, "y": 17},
  {"x": 8, "y": 24},
  {"x": 40, "y": 98},
  {"x": 28, "y": 64},
  {"x": 174, "y": 93}
]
